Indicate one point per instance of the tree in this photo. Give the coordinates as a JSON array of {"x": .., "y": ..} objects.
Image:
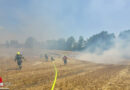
[
  {"x": 100, "y": 42},
  {"x": 81, "y": 43},
  {"x": 14, "y": 44},
  {"x": 125, "y": 35},
  {"x": 70, "y": 43},
  {"x": 30, "y": 42}
]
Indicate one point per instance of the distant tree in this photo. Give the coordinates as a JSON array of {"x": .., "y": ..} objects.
[
  {"x": 70, "y": 43},
  {"x": 30, "y": 42},
  {"x": 125, "y": 35},
  {"x": 100, "y": 42},
  {"x": 14, "y": 44},
  {"x": 81, "y": 43}
]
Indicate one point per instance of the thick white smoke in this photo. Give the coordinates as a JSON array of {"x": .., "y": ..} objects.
[{"x": 117, "y": 54}]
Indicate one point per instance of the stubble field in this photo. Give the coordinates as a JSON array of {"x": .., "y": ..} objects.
[{"x": 77, "y": 75}]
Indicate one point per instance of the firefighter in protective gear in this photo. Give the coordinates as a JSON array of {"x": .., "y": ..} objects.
[
  {"x": 46, "y": 57},
  {"x": 65, "y": 60},
  {"x": 52, "y": 59},
  {"x": 19, "y": 59}
]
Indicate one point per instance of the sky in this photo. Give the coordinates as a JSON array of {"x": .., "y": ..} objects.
[{"x": 53, "y": 19}]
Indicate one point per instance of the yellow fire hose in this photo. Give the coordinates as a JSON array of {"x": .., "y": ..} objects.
[{"x": 55, "y": 77}]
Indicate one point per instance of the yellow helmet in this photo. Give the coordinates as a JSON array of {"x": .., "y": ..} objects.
[{"x": 18, "y": 53}]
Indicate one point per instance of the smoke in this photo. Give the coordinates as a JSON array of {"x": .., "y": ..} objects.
[
  {"x": 49, "y": 19},
  {"x": 117, "y": 54},
  {"x": 22, "y": 19},
  {"x": 6, "y": 35}
]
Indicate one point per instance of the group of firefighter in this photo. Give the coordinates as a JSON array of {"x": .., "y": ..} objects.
[{"x": 19, "y": 59}]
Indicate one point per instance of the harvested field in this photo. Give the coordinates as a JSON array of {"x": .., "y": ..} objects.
[{"x": 77, "y": 75}]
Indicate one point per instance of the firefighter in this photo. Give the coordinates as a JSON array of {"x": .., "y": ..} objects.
[
  {"x": 65, "y": 60},
  {"x": 52, "y": 59},
  {"x": 19, "y": 58},
  {"x": 46, "y": 57}
]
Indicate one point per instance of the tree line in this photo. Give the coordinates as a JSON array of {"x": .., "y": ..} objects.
[{"x": 96, "y": 43}]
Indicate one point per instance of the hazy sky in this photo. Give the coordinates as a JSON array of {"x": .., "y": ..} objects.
[{"x": 51, "y": 19}]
